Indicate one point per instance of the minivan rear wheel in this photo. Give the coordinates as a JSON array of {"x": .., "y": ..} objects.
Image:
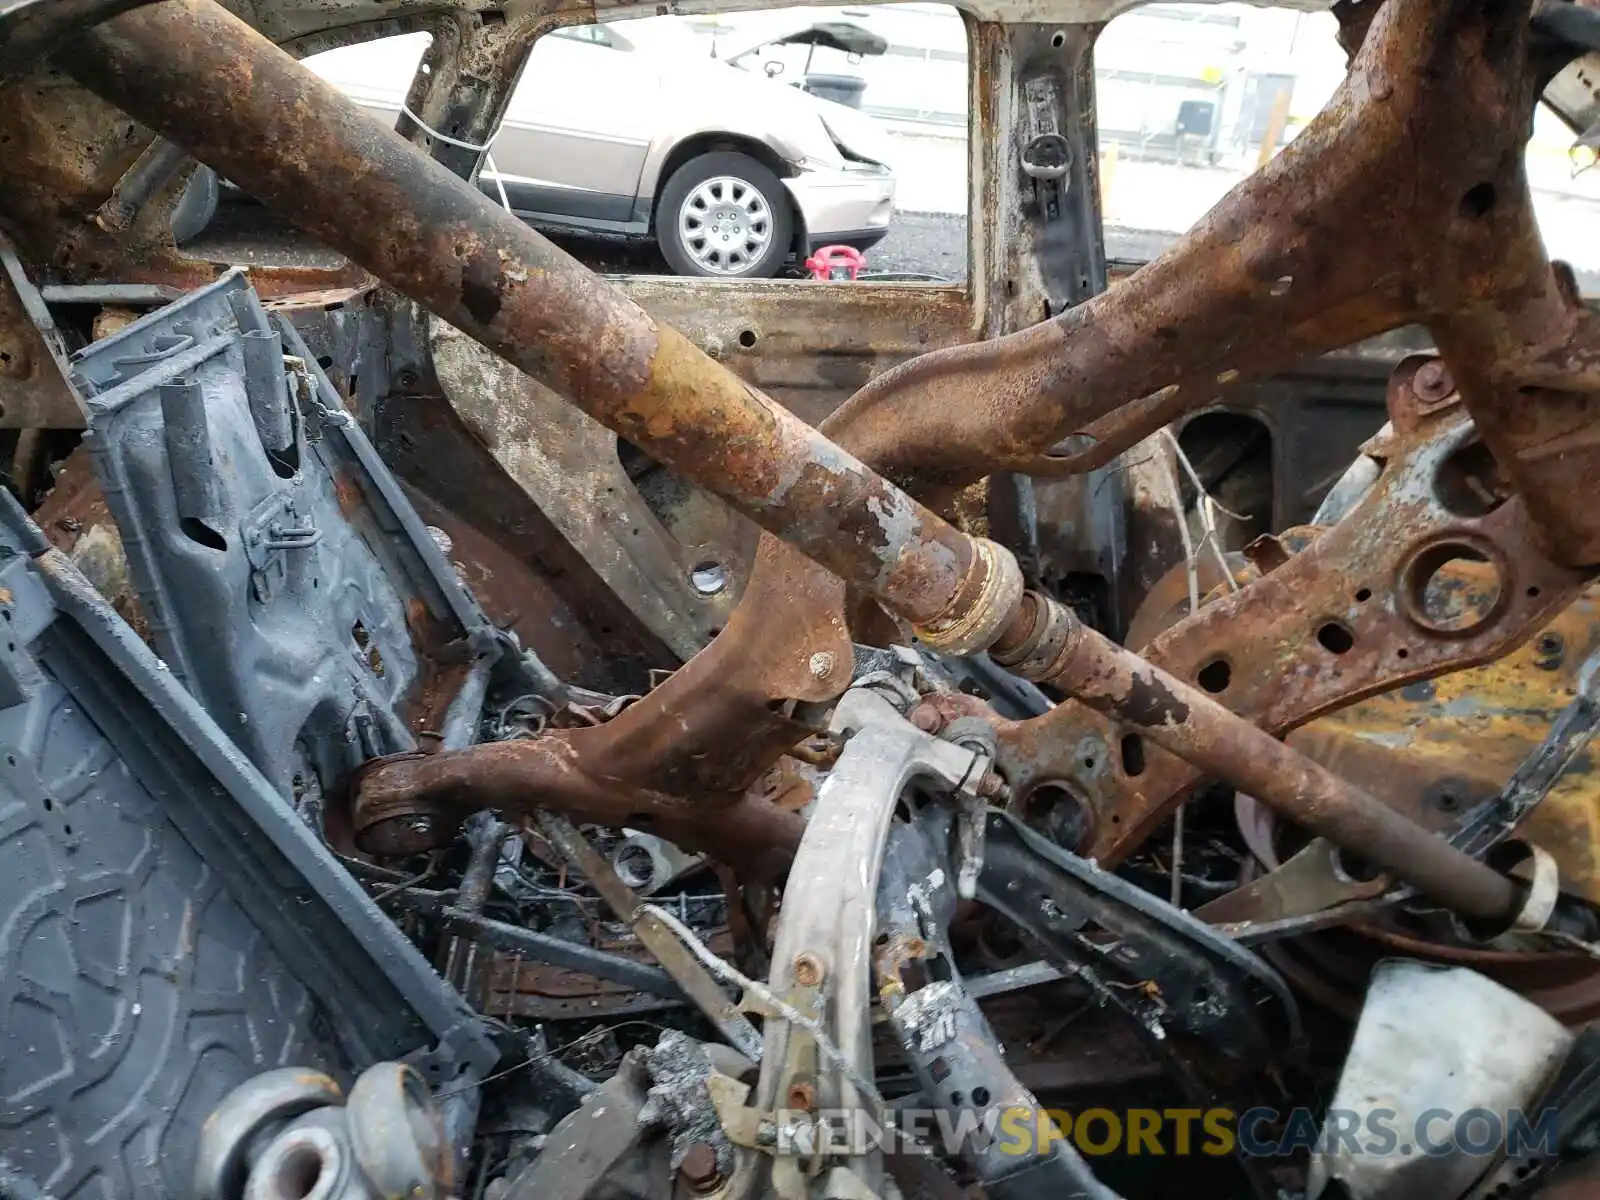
[{"x": 724, "y": 216}]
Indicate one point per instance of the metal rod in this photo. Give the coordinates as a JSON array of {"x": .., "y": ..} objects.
[
  {"x": 201, "y": 77},
  {"x": 697, "y": 983},
  {"x": 540, "y": 947},
  {"x": 1060, "y": 650}
]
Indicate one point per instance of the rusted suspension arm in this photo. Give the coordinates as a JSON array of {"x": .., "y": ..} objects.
[{"x": 204, "y": 79}]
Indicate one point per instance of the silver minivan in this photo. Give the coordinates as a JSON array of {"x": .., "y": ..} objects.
[{"x": 632, "y": 128}]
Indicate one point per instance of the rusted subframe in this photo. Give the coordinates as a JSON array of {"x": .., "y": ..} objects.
[
  {"x": 201, "y": 77},
  {"x": 1060, "y": 650},
  {"x": 1265, "y": 644}
]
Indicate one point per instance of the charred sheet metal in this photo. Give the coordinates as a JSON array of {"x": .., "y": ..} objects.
[
  {"x": 1456, "y": 739},
  {"x": 570, "y": 466}
]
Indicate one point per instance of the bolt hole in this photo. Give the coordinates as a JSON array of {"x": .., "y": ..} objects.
[
  {"x": 1215, "y": 676},
  {"x": 49, "y": 804},
  {"x": 1335, "y": 638},
  {"x": 1073, "y": 445},
  {"x": 955, "y": 1099},
  {"x": 1054, "y": 810},
  {"x": 708, "y": 577},
  {"x": 298, "y": 1172},
  {"x": 1355, "y": 868},
  {"x": 1532, "y": 593},
  {"x": 1402, "y": 653},
  {"x": 747, "y": 338},
  {"x": 201, "y": 534},
  {"x": 1363, "y": 595},
  {"x": 980, "y": 1096},
  {"x": 367, "y": 648},
  {"x": 1451, "y": 588},
  {"x": 1058, "y": 39},
  {"x": 1478, "y": 201},
  {"x": 1088, "y": 763},
  {"x": 67, "y": 829},
  {"x": 1470, "y": 483},
  {"x": 1132, "y": 755}
]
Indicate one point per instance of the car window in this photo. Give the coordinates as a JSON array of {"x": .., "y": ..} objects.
[
  {"x": 1192, "y": 98},
  {"x": 600, "y": 35},
  {"x": 382, "y": 67}
]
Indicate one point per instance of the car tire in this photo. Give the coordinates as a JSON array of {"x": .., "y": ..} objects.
[
  {"x": 137, "y": 992},
  {"x": 724, "y": 216}
]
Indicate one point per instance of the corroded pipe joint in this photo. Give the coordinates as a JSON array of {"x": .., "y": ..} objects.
[
  {"x": 984, "y": 606},
  {"x": 1038, "y": 641}
]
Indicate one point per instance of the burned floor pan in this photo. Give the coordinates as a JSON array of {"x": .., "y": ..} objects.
[{"x": 170, "y": 927}]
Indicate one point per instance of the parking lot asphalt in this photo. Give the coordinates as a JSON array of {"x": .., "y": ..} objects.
[{"x": 918, "y": 243}]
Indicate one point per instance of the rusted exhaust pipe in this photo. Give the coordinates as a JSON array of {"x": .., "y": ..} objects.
[{"x": 199, "y": 76}]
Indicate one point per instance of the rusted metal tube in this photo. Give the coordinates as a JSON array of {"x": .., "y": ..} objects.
[
  {"x": 204, "y": 79},
  {"x": 1049, "y": 644}
]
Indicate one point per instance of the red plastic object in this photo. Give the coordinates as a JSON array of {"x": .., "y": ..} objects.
[{"x": 836, "y": 262}]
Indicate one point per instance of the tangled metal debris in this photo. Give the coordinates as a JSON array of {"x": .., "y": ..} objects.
[{"x": 929, "y": 824}]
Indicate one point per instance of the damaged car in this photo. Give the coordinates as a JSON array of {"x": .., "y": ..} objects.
[{"x": 471, "y": 728}]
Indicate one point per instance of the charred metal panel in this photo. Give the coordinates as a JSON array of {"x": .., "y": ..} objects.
[{"x": 283, "y": 577}]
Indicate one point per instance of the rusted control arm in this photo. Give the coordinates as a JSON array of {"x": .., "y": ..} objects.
[
  {"x": 204, "y": 79},
  {"x": 1050, "y": 645}
]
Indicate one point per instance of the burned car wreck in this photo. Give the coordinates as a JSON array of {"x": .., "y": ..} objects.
[{"x": 472, "y": 728}]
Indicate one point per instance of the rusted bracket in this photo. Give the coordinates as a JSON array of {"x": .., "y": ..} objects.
[
  {"x": 567, "y": 463},
  {"x": 1348, "y": 617}
]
